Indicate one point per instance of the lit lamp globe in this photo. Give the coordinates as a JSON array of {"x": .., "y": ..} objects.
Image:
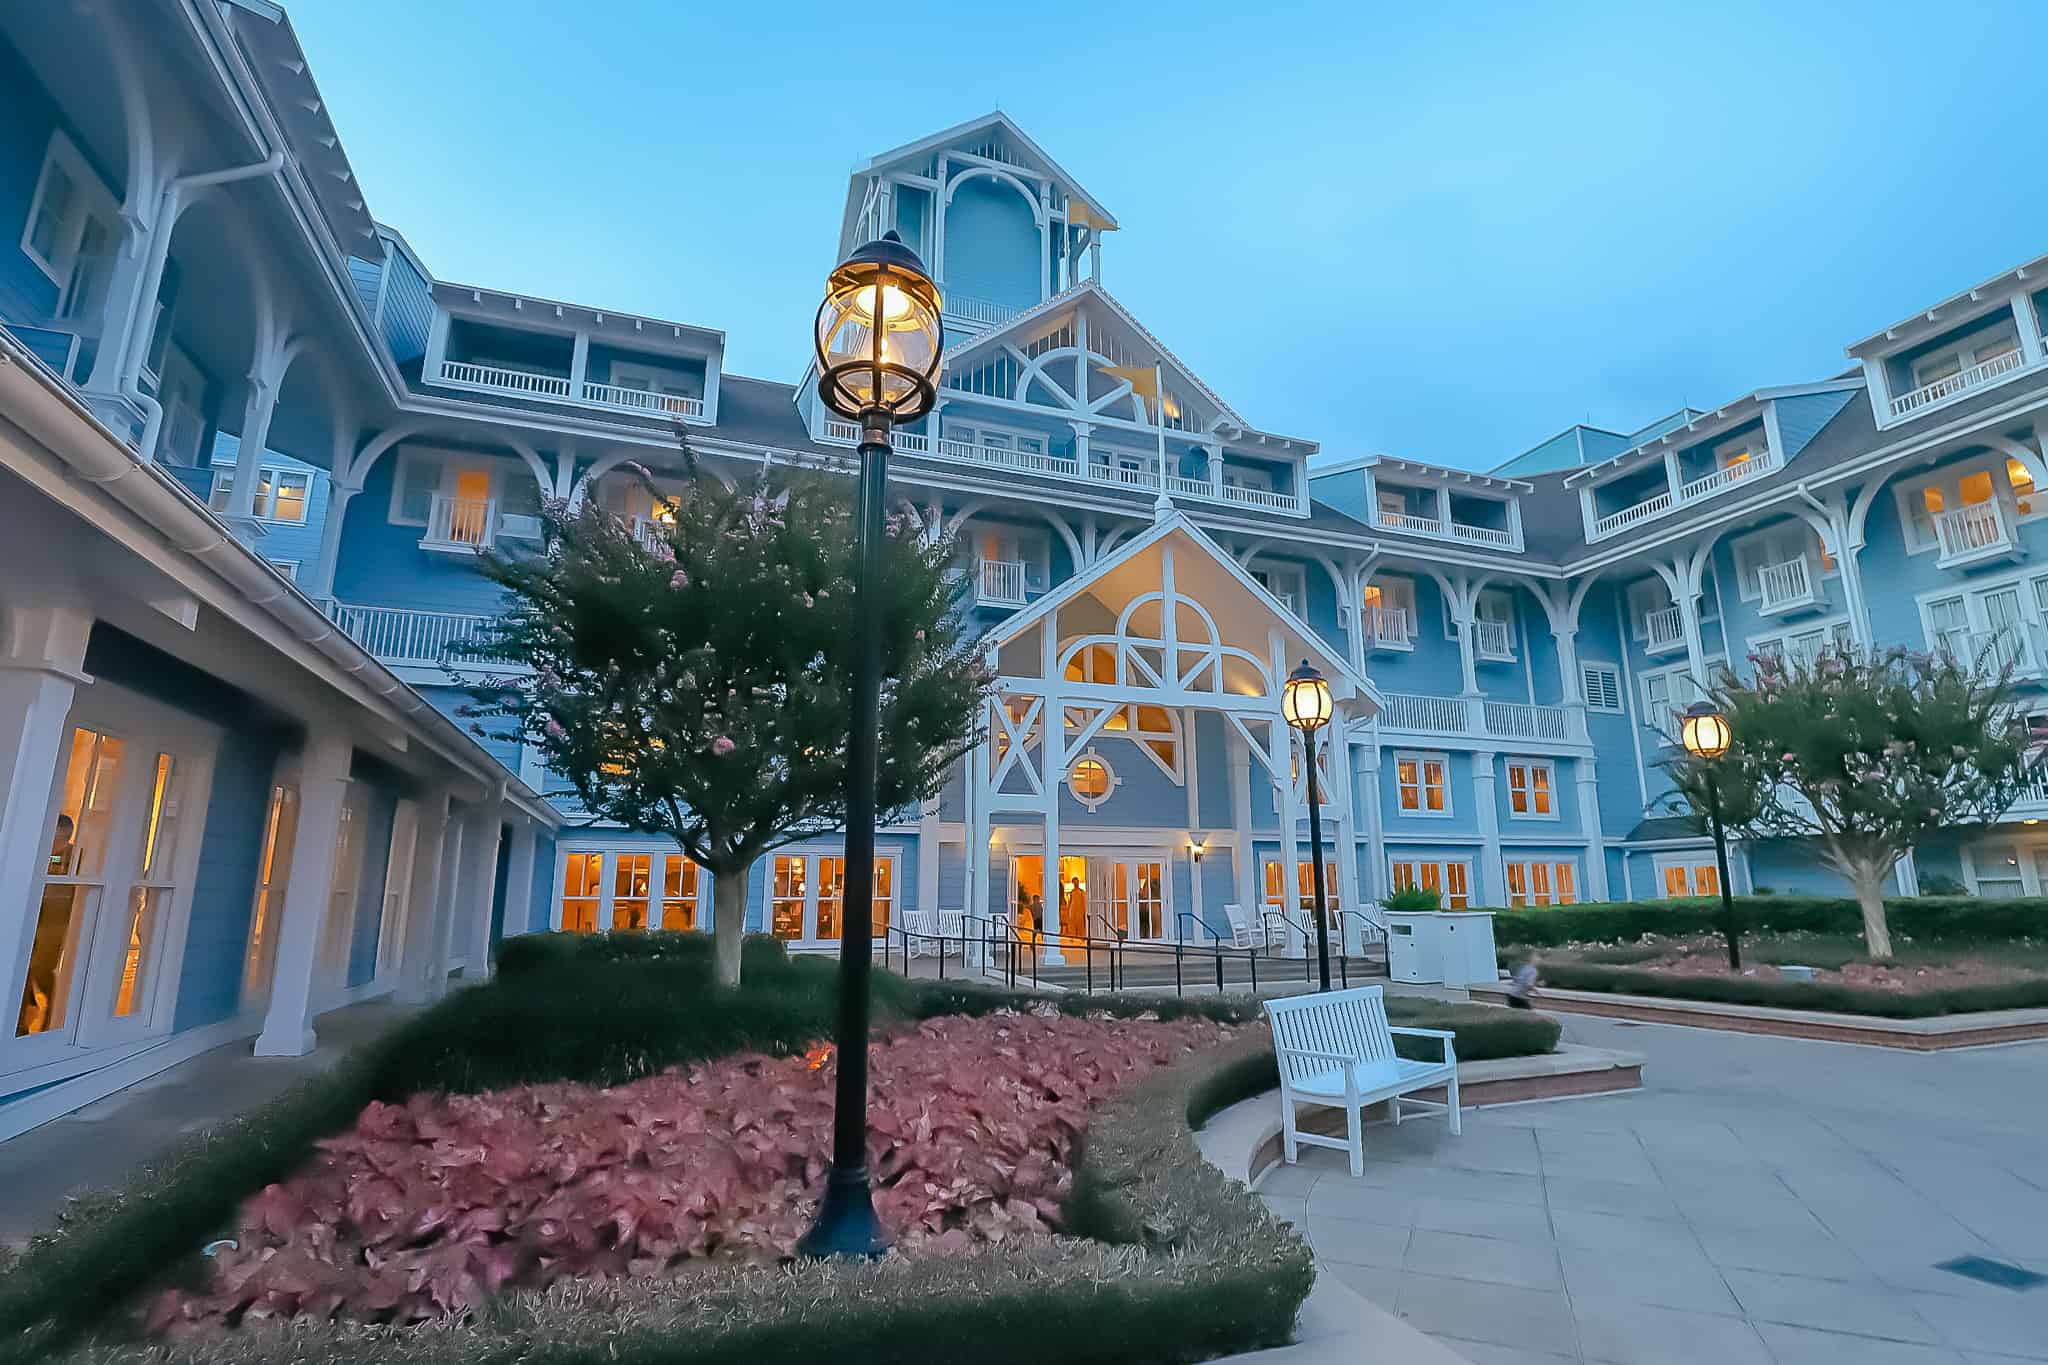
[
  {"x": 1305, "y": 701},
  {"x": 879, "y": 336},
  {"x": 1706, "y": 731}
]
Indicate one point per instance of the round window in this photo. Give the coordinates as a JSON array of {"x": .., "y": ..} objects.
[{"x": 1091, "y": 781}]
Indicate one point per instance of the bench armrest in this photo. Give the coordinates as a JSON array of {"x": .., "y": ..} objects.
[
  {"x": 1333, "y": 1058},
  {"x": 1443, "y": 1036}
]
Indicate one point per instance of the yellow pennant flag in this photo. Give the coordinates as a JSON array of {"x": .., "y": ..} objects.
[{"x": 1081, "y": 214}]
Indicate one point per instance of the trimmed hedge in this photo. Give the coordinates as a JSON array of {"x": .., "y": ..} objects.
[
  {"x": 111, "y": 1247},
  {"x": 1182, "y": 1265},
  {"x": 1932, "y": 919},
  {"x": 1796, "y": 995}
]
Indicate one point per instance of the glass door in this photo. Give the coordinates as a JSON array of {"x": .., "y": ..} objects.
[
  {"x": 129, "y": 966},
  {"x": 273, "y": 874},
  {"x": 81, "y": 831},
  {"x": 338, "y": 929},
  {"x": 397, "y": 888}
]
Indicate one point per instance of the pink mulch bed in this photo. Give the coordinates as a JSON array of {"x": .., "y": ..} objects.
[
  {"x": 1707, "y": 957},
  {"x": 428, "y": 1208}
]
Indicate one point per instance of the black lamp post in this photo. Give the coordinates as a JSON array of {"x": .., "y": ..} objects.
[
  {"x": 879, "y": 339},
  {"x": 1305, "y": 701},
  {"x": 1706, "y": 733}
]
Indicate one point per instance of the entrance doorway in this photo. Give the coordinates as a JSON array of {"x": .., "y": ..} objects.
[{"x": 1095, "y": 896}]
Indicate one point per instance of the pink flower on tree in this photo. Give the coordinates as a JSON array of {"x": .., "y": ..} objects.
[
  {"x": 678, "y": 581},
  {"x": 722, "y": 746},
  {"x": 555, "y": 730}
]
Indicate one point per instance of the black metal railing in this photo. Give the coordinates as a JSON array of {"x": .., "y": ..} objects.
[{"x": 995, "y": 947}]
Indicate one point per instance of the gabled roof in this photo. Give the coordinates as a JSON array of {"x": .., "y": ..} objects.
[
  {"x": 1955, "y": 308},
  {"x": 1704, "y": 425},
  {"x": 1302, "y": 639},
  {"x": 996, "y": 119},
  {"x": 1420, "y": 469},
  {"x": 1092, "y": 290}
]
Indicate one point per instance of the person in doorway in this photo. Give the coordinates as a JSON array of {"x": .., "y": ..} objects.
[{"x": 1074, "y": 909}]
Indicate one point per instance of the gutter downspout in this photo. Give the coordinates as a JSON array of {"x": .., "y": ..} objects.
[{"x": 153, "y": 279}]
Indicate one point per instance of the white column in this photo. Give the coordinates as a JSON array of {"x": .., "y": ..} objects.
[
  {"x": 1280, "y": 749},
  {"x": 320, "y": 584},
  {"x": 1488, "y": 876},
  {"x": 448, "y": 890},
  {"x": 2029, "y": 324},
  {"x": 1344, "y": 839},
  {"x": 38, "y": 681},
  {"x": 323, "y": 791},
  {"x": 1878, "y": 382},
  {"x": 480, "y": 837},
  {"x": 1375, "y": 829},
  {"x": 123, "y": 300},
  {"x": 1672, "y": 479},
  {"x": 1052, "y": 744},
  {"x": 579, "y": 364},
  {"x": 437, "y": 346},
  {"x": 928, "y": 852},
  {"x": 519, "y": 869},
  {"x": 975, "y": 857},
  {"x": 1243, "y": 867},
  {"x": 418, "y": 983},
  {"x": 1596, "y": 838},
  {"x": 256, "y": 415}
]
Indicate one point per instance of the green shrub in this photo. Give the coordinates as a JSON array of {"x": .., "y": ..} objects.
[
  {"x": 1184, "y": 1265},
  {"x": 1945, "y": 919},
  {"x": 654, "y": 997},
  {"x": 1413, "y": 900},
  {"x": 1795, "y": 995}
]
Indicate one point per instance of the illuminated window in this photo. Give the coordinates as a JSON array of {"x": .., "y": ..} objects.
[
  {"x": 1688, "y": 876},
  {"x": 1541, "y": 883},
  {"x": 1302, "y": 911},
  {"x": 631, "y": 884},
  {"x": 1452, "y": 881},
  {"x": 679, "y": 883},
  {"x": 1530, "y": 784},
  {"x": 1091, "y": 780},
  {"x": 786, "y": 908},
  {"x": 581, "y": 874},
  {"x": 1422, "y": 784}
]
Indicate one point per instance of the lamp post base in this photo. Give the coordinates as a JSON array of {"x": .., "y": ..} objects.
[{"x": 846, "y": 1224}]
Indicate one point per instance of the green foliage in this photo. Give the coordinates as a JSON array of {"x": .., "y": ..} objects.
[
  {"x": 1867, "y": 755},
  {"x": 1795, "y": 995},
  {"x": 692, "y": 680},
  {"x": 1942, "y": 919},
  {"x": 1415, "y": 900},
  {"x": 658, "y": 1006}
]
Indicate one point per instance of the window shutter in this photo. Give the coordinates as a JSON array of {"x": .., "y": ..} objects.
[{"x": 1603, "y": 687}]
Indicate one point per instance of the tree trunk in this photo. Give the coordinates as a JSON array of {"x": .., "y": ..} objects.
[
  {"x": 1877, "y": 934},
  {"x": 728, "y": 921}
]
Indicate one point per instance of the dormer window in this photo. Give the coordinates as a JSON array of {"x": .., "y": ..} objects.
[{"x": 1981, "y": 349}]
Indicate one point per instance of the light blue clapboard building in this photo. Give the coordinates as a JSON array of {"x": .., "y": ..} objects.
[{"x": 250, "y": 444}]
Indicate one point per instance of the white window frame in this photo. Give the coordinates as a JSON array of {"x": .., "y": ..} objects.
[
  {"x": 1092, "y": 803},
  {"x": 2032, "y": 584},
  {"x": 1493, "y": 604},
  {"x": 1528, "y": 767},
  {"x": 1282, "y": 579},
  {"x": 1693, "y": 864},
  {"x": 653, "y": 376},
  {"x": 287, "y": 569},
  {"x": 977, "y": 433},
  {"x": 2001, "y": 338},
  {"x": 1443, "y": 865},
  {"x": 451, "y": 462},
  {"x": 1639, "y": 615},
  {"x": 1611, "y": 676},
  {"x": 1947, "y": 481},
  {"x": 263, "y": 507},
  {"x": 1673, "y": 675},
  {"x": 1559, "y": 878},
  {"x": 1776, "y": 545},
  {"x": 1421, "y": 758},
  {"x": 95, "y": 201},
  {"x": 813, "y": 858},
  {"x": 1779, "y": 642},
  {"x": 1398, "y": 591},
  {"x": 608, "y": 856}
]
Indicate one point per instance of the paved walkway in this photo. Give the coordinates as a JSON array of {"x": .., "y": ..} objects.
[
  {"x": 102, "y": 1143},
  {"x": 1761, "y": 1200}
]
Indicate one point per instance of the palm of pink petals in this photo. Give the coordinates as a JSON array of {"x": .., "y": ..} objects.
[{"x": 428, "y": 1208}]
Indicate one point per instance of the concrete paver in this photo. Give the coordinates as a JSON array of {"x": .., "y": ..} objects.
[{"x": 1772, "y": 1200}]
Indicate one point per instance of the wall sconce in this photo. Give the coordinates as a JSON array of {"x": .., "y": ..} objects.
[{"x": 1197, "y": 846}]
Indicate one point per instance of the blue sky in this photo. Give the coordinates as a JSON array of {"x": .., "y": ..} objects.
[{"x": 1442, "y": 232}]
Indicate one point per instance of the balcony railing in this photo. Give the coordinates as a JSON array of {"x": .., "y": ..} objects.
[
  {"x": 1494, "y": 641},
  {"x": 403, "y": 637},
  {"x": 1145, "y": 477},
  {"x": 1387, "y": 628},
  {"x": 1004, "y": 582},
  {"x": 460, "y": 523},
  {"x": 1973, "y": 532},
  {"x": 1669, "y": 501},
  {"x": 1434, "y": 715},
  {"x": 1787, "y": 585},
  {"x": 1981, "y": 373},
  {"x": 462, "y": 374},
  {"x": 972, "y": 316},
  {"x": 1664, "y": 629},
  {"x": 1444, "y": 530},
  {"x": 642, "y": 400}
]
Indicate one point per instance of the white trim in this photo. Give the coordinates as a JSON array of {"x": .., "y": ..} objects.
[
  {"x": 1111, "y": 780},
  {"x": 1443, "y": 863},
  {"x": 1529, "y": 766},
  {"x": 278, "y": 473},
  {"x": 1694, "y": 864},
  {"x": 96, "y": 201},
  {"x": 1421, "y": 758},
  {"x": 1615, "y": 686},
  {"x": 1550, "y": 868}
]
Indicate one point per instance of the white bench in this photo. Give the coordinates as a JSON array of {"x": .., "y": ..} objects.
[{"x": 1336, "y": 1050}]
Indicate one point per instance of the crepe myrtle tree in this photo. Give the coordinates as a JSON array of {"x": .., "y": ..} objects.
[
  {"x": 1865, "y": 755},
  {"x": 690, "y": 679}
]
